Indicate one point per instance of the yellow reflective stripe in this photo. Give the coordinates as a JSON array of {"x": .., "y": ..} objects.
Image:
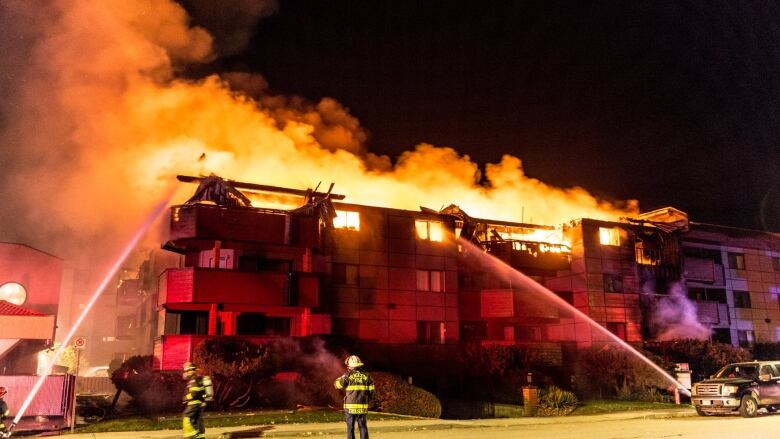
[
  {"x": 359, "y": 387},
  {"x": 355, "y": 406},
  {"x": 196, "y": 402},
  {"x": 338, "y": 384}
]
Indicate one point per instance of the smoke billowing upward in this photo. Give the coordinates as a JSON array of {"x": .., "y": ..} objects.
[
  {"x": 674, "y": 317},
  {"x": 95, "y": 122}
]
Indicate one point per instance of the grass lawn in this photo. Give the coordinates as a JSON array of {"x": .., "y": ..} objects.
[
  {"x": 225, "y": 419},
  {"x": 597, "y": 407}
]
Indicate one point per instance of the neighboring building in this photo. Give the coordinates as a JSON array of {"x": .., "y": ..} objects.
[
  {"x": 401, "y": 285},
  {"x": 29, "y": 295}
]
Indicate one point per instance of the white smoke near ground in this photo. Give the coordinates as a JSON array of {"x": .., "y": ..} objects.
[{"x": 674, "y": 316}]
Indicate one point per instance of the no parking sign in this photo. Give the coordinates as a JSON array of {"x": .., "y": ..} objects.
[{"x": 80, "y": 342}]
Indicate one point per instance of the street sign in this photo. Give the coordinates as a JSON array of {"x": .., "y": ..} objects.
[{"x": 79, "y": 342}]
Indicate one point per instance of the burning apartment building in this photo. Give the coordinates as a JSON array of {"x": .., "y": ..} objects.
[{"x": 262, "y": 262}]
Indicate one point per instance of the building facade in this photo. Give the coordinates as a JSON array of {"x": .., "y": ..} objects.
[{"x": 405, "y": 285}]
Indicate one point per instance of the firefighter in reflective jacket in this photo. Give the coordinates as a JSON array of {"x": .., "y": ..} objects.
[
  {"x": 359, "y": 390},
  {"x": 3, "y": 413},
  {"x": 199, "y": 391}
]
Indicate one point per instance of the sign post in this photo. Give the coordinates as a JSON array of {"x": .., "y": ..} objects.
[{"x": 79, "y": 343}]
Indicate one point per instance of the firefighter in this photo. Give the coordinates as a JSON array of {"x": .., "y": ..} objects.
[
  {"x": 359, "y": 390},
  {"x": 199, "y": 391},
  {"x": 3, "y": 413}
]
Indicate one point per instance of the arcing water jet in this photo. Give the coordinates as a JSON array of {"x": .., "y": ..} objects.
[
  {"x": 140, "y": 232},
  {"x": 508, "y": 273}
]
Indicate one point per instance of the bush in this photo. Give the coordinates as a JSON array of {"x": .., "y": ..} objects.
[
  {"x": 611, "y": 372},
  {"x": 235, "y": 365},
  {"x": 556, "y": 402},
  {"x": 152, "y": 392},
  {"x": 703, "y": 357},
  {"x": 394, "y": 395},
  {"x": 766, "y": 351}
]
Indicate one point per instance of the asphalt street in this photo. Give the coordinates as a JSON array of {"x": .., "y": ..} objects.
[{"x": 637, "y": 425}]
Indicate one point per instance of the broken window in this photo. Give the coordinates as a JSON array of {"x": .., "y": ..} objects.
[
  {"x": 253, "y": 323},
  {"x": 347, "y": 220},
  {"x": 737, "y": 261},
  {"x": 721, "y": 335},
  {"x": 741, "y": 299},
  {"x": 429, "y": 230},
  {"x": 430, "y": 280},
  {"x": 613, "y": 283},
  {"x": 609, "y": 236},
  {"x": 345, "y": 274}
]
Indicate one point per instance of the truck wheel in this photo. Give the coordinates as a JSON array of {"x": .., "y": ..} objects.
[
  {"x": 701, "y": 412},
  {"x": 749, "y": 406}
]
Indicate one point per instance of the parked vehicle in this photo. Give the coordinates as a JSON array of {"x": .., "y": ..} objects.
[{"x": 739, "y": 387}]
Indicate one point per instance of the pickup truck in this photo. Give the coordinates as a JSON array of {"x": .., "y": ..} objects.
[{"x": 739, "y": 387}]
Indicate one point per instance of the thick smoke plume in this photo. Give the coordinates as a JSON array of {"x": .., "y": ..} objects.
[
  {"x": 95, "y": 122},
  {"x": 674, "y": 317}
]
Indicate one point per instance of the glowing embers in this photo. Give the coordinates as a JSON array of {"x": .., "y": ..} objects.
[
  {"x": 429, "y": 230},
  {"x": 13, "y": 292},
  {"x": 347, "y": 220},
  {"x": 609, "y": 236}
]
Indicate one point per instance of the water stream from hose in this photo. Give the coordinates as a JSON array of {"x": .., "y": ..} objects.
[{"x": 476, "y": 255}]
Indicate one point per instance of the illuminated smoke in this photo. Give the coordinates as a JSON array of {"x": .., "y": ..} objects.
[
  {"x": 95, "y": 118},
  {"x": 674, "y": 317}
]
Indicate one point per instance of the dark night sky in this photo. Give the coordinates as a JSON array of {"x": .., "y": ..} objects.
[{"x": 672, "y": 103}]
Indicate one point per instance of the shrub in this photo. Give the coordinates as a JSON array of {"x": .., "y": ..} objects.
[
  {"x": 235, "y": 365},
  {"x": 394, "y": 395},
  {"x": 611, "y": 372},
  {"x": 556, "y": 402},
  {"x": 766, "y": 351},
  {"x": 152, "y": 392},
  {"x": 703, "y": 357}
]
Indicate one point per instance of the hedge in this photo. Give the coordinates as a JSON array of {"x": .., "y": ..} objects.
[{"x": 394, "y": 395}]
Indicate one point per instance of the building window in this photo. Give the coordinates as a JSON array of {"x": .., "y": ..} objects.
[
  {"x": 252, "y": 323},
  {"x": 430, "y": 280},
  {"x": 613, "y": 283},
  {"x": 430, "y": 332},
  {"x": 187, "y": 323},
  {"x": 617, "y": 328},
  {"x": 737, "y": 261},
  {"x": 345, "y": 274},
  {"x": 347, "y": 220},
  {"x": 741, "y": 299},
  {"x": 721, "y": 335},
  {"x": 745, "y": 338},
  {"x": 776, "y": 264},
  {"x": 566, "y": 312},
  {"x": 429, "y": 230},
  {"x": 609, "y": 236},
  {"x": 707, "y": 294},
  {"x": 528, "y": 334}
]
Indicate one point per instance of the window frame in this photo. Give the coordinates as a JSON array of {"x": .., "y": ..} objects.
[
  {"x": 744, "y": 297},
  {"x": 428, "y": 230},
  {"x": 609, "y": 236},
  {"x": 355, "y": 215}
]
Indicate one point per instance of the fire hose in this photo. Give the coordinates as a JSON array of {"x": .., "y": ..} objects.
[{"x": 7, "y": 433}]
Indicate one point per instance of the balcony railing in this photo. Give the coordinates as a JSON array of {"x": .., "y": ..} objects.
[
  {"x": 244, "y": 224},
  {"x": 530, "y": 255},
  {"x": 209, "y": 285}
]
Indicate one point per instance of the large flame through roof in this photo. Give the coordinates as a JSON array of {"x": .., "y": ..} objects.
[{"x": 97, "y": 119}]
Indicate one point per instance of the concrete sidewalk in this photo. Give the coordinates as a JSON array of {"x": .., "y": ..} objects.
[{"x": 334, "y": 428}]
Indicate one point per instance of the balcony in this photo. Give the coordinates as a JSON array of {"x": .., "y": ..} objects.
[
  {"x": 515, "y": 304},
  {"x": 243, "y": 224},
  {"x": 531, "y": 257},
  {"x": 209, "y": 285}
]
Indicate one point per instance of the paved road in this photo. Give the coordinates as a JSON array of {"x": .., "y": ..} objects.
[{"x": 644, "y": 425}]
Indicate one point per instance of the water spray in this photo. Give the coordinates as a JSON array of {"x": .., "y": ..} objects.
[
  {"x": 547, "y": 293},
  {"x": 139, "y": 233}
]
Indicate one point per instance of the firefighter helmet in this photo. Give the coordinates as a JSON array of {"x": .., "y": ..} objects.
[
  {"x": 353, "y": 361},
  {"x": 3, "y": 391}
]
